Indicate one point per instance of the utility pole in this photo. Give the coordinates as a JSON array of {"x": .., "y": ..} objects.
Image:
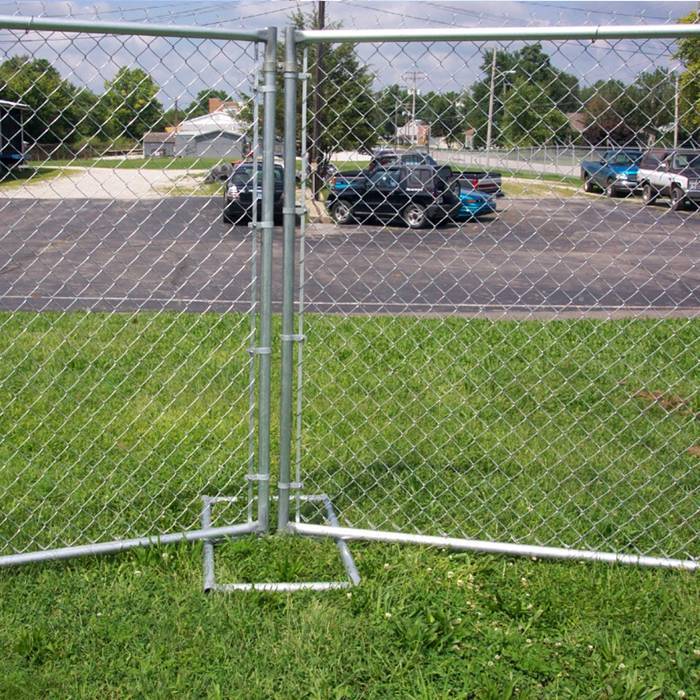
[
  {"x": 317, "y": 182},
  {"x": 414, "y": 76},
  {"x": 676, "y": 109},
  {"x": 489, "y": 126}
]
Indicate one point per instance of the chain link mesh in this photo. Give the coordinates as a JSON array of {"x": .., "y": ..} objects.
[
  {"x": 516, "y": 365},
  {"x": 127, "y": 305}
]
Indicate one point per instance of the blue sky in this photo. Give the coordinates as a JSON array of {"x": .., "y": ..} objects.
[{"x": 182, "y": 67}]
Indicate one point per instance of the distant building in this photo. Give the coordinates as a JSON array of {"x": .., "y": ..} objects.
[
  {"x": 414, "y": 132},
  {"x": 158, "y": 143},
  {"x": 219, "y": 134},
  {"x": 578, "y": 121},
  {"x": 469, "y": 135},
  {"x": 215, "y": 134}
]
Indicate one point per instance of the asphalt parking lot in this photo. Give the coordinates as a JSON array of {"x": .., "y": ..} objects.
[{"x": 581, "y": 256}]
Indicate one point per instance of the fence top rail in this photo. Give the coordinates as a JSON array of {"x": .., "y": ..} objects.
[
  {"x": 93, "y": 27},
  {"x": 633, "y": 31}
]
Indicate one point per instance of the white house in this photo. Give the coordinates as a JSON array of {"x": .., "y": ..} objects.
[{"x": 218, "y": 134}]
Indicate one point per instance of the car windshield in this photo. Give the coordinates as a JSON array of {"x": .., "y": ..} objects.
[
  {"x": 418, "y": 159},
  {"x": 687, "y": 160},
  {"x": 624, "y": 158},
  {"x": 466, "y": 185},
  {"x": 243, "y": 177}
]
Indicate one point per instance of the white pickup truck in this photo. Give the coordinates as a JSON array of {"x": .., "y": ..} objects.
[{"x": 672, "y": 174}]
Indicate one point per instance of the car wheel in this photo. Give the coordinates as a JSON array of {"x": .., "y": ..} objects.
[
  {"x": 649, "y": 194},
  {"x": 588, "y": 185},
  {"x": 341, "y": 213},
  {"x": 610, "y": 190},
  {"x": 677, "y": 199},
  {"x": 414, "y": 215}
]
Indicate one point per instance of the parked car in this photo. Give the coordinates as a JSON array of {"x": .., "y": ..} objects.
[
  {"x": 239, "y": 191},
  {"x": 616, "y": 173},
  {"x": 482, "y": 181},
  {"x": 416, "y": 194},
  {"x": 672, "y": 174},
  {"x": 489, "y": 183}
]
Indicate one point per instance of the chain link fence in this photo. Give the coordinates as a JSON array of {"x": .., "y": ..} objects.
[
  {"x": 487, "y": 277},
  {"x": 129, "y": 310},
  {"x": 500, "y": 344}
]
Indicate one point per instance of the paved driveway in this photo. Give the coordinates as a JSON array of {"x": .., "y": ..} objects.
[
  {"x": 104, "y": 183},
  {"x": 581, "y": 257}
]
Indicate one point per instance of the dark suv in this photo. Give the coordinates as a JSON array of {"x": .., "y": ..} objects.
[
  {"x": 418, "y": 195},
  {"x": 240, "y": 188},
  {"x": 387, "y": 159}
]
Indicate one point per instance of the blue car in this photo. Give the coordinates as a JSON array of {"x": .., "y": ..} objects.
[
  {"x": 473, "y": 203},
  {"x": 616, "y": 173}
]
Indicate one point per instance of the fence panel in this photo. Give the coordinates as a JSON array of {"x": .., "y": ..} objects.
[
  {"x": 130, "y": 310},
  {"x": 516, "y": 369}
]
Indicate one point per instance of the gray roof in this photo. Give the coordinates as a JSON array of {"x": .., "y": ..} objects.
[
  {"x": 13, "y": 105},
  {"x": 158, "y": 137}
]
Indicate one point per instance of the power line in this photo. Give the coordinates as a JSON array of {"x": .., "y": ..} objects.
[
  {"x": 600, "y": 12},
  {"x": 376, "y": 8}
]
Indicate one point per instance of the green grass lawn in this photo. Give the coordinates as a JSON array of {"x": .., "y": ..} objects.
[
  {"x": 545, "y": 177},
  {"x": 537, "y": 189},
  {"x": 159, "y": 163},
  {"x": 28, "y": 175},
  {"x": 546, "y": 432}
]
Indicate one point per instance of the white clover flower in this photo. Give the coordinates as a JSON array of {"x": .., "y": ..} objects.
[
  {"x": 622, "y": 666},
  {"x": 450, "y": 574},
  {"x": 348, "y": 595},
  {"x": 460, "y": 583},
  {"x": 387, "y": 567},
  {"x": 682, "y": 694},
  {"x": 387, "y": 615}
]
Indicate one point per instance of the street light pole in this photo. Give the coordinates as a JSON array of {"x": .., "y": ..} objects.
[
  {"x": 676, "y": 109},
  {"x": 489, "y": 125},
  {"x": 414, "y": 76},
  {"x": 316, "y": 180}
]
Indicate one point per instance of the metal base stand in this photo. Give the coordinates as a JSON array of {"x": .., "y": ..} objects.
[{"x": 210, "y": 584}]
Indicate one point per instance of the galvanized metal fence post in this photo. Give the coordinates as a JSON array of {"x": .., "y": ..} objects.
[
  {"x": 264, "y": 348},
  {"x": 288, "y": 337}
]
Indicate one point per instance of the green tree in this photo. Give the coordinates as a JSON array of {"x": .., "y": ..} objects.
[
  {"x": 689, "y": 54},
  {"x": 61, "y": 112},
  {"x": 445, "y": 112},
  {"x": 531, "y": 118},
  {"x": 556, "y": 90},
  {"x": 130, "y": 101},
  {"x": 652, "y": 98},
  {"x": 609, "y": 110},
  {"x": 392, "y": 105}
]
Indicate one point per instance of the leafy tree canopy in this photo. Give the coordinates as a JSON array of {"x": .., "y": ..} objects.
[
  {"x": 61, "y": 112},
  {"x": 130, "y": 100}
]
